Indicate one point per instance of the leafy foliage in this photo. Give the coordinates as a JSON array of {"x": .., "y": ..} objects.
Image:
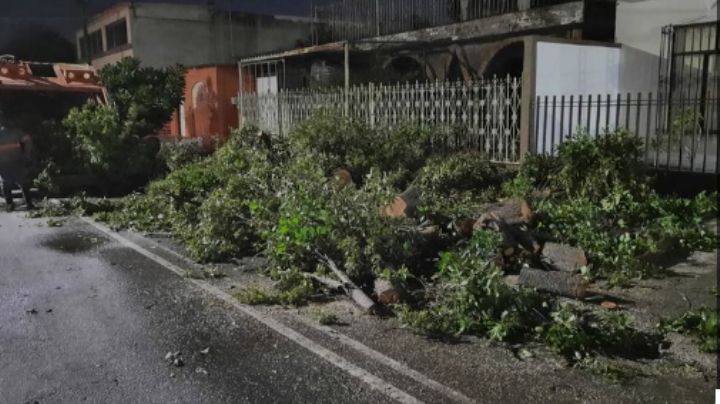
[
  {"x": 591, "y": 167},
  {"x": 180, "y": 153},
  {"x": 601, "y": 201},
  {"x": 143, "y": 97},
  {"x": 577, "y": 334},
  {"x": 702, "y": 324},
  {"x": 208, "y": 203},
  {"x": 113, "y": 141},
  {"x": 292, "y": 289},
  {"x": 279, "y": 198},
  {"x": 471, "y": 297}
]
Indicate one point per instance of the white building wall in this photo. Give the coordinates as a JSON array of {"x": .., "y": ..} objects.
[
  {"x": 565, "y": 69},
  {"x": 639, "y": 22}
]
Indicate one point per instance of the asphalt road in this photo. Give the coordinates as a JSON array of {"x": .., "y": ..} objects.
[{"x": 84, "y": 319}]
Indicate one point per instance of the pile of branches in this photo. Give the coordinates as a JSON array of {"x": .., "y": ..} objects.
[{"x": 449, "y": 242}]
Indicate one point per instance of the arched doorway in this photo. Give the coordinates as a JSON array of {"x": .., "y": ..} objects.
[
  {"x": 508, "y": 61},
  {"x": 404, "y": 69},
  {"x": 201, "y": 109},
  {"x": 455, "y": 71}
]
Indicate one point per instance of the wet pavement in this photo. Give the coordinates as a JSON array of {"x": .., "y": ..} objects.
[{"x": 86, "y": 320}]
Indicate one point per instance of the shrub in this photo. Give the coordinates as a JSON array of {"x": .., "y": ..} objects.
[
  {"x": 340, "y": 142},
  {"x": 591, "y": 167},
  {"x": 457, "y": 173},
  {"x": 144, "y": 98},
  {"x": 457, "y": 185},
  {"x": 178, "y": 154},
  {"x": 112, "y": 141},
  {"x": 345, "y": 143}
]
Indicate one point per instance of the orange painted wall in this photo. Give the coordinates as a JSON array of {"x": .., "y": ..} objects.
[{"x": 209, "y": 112}]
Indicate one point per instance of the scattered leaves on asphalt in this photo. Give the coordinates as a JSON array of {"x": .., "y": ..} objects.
[{"x": 175, "y": 359}]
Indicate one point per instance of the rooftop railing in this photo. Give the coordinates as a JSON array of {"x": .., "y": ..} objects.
[{"x": 358, "y": 19}]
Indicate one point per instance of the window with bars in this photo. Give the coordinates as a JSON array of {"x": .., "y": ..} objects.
[
  {"x": 116, "y": 34},
  {"x": 93, "y": 44}
]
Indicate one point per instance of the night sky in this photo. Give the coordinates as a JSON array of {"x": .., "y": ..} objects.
[{"x": 65, "y": 16}]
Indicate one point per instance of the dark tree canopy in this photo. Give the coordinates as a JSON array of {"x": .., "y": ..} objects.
[{"x": 39, "y": 44}]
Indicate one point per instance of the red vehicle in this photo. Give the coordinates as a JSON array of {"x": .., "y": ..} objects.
[{"x": 31, "y": 95}]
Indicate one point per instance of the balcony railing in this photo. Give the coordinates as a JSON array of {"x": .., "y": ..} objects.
[{"x": 357, "y": 19}]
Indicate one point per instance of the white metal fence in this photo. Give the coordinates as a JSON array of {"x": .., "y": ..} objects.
[{"x": 481, "y": 115}]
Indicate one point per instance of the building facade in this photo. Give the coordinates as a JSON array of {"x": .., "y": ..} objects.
[
  {"x": 207, "y": 115},
  {"x": 162, "y": 34}
]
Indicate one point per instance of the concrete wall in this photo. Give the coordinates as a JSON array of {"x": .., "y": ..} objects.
[
  {"x": 165, "y": 34},
  {"x": 193, "y": 36},
  {"x": 639, "y": 21}
]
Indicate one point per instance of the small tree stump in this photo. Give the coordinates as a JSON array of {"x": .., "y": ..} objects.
[
  {"x": 343, "y": 176},
  {"x": 404, "y": 205},
  {"x": 385, "y": 292}
]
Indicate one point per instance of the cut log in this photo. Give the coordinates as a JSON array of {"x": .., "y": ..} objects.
[
  {"x": 463, "y": 227},
  {"x": 564, "y": 257},
  {"x": 355, "y": 293},
  {"x": 608, "y": 305},
  {"x": 343, "y": 176},
  {"x": 512, "y": 211},
  {"x": 556, "y": 282},
  {"x": 385, "y": 292},
  {"x": 404, "y": 205}
]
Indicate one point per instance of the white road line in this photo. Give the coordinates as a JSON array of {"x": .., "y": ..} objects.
[
  {"x": 370, "y": 379},
  {"x": 360, "y": 347},
  {"x": 391, "y": 363}
]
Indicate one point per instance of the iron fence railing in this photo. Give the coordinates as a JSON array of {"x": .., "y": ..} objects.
[
  {"x": 687, "y": 143},
  {"x": 481, "y": 115},
  {"x": 357, "y": 19}
]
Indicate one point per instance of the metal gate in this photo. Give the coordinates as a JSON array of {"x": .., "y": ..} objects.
[{"x": 689, "y": 76}]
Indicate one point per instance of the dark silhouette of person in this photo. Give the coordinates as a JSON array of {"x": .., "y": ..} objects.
[{"x": 15, "y": 161}]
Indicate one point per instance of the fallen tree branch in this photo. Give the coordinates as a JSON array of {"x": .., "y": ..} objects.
[
  {"x": 330, "y": 283},
  {"x": 355, "y": 293}
]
